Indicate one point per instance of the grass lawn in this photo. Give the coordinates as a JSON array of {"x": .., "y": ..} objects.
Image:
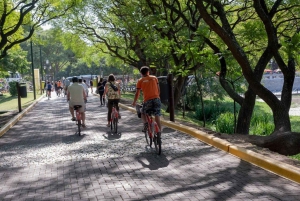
[{"x": 10, "y": 103}]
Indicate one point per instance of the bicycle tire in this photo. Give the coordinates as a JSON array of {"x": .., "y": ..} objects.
[
  {"x": 79, "y": 127},
  {"x": 115, "y": 125},
  {"x": 157, "y": 143}
]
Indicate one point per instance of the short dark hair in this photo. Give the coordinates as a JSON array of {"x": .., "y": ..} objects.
[
  {"x": 111, "y": 78},
  {"x": 144, "y": 70},
  {"x": 80, "y": 80},
  {"x": 75, "y": 79}
]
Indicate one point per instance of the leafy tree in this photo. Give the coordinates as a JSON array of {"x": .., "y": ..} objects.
[
  {"x": 19, "y": 19},
  {"x": 15, "y": 62},
  {"x": 274, "y": 27}
]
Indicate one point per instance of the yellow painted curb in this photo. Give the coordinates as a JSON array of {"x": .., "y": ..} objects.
[
  {"x": 284, "y": 170},
  {"x": 14, "y": 120}
]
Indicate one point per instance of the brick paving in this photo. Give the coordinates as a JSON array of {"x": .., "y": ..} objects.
[{"x": 41, "y": 158}]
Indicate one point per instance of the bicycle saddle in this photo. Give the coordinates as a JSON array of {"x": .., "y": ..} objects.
[{"x": 77, "y": 107}]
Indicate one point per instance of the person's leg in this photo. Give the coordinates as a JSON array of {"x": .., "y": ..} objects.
[
  {"x": 117, "y": 107},
  {"x": 156, "y": 104},
  {"x": 83, "y": 118},
  {"x": 101, "y": 97},
  {"x": 157, "y": 120},
  {"x": 71, "y": 109},
  {"x": 145, "y": 107},
  {"x": 109, "y": 106}
]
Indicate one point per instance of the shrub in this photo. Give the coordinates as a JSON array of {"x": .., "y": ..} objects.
[
  {"x": 13, "y": 88},
  {"x": 261, "y": 124},
  {"x": 225, "y": 123},
  {"x": 212, "y": 109}
]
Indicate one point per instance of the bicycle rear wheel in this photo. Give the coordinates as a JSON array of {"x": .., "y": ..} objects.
[
  {"x": 115, "y": 122},
  {"x": 114, "y": 125},
  {"x": 79, "y": 127},
  {"x": 157, "y": 143}
]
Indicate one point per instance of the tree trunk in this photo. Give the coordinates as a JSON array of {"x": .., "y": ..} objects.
[
  {"x": 245, "y": 113},
  {"x": 285, "y": 143},
  {"x": 177, "y": 91}
]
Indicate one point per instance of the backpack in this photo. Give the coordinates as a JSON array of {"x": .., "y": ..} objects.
[
  {"x": 115, "y": 88},
  {"x": 49, "y": 86}
]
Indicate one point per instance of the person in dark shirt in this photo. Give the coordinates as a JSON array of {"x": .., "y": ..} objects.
[{"x": 101, "y": 87}]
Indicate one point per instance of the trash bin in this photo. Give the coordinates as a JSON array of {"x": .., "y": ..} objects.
[
  {"x": 23, "y": 90},
  {"x": 43, "y": 85},
  {"x": 164, "y": 90},
  {"x": 95, "y": 83}
]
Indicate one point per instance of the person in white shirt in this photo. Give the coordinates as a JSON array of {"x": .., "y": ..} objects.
[
  {"x": 77, "y": 96},
  {"x": 84, "y": 86}
]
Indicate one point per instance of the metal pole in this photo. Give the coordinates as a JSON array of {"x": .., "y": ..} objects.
[
  {"x": 41, "y": 62},
  {"x": 19, "y": 96},
  {"x": 32, "y": 68}
]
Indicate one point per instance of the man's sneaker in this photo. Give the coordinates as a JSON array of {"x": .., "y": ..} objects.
[
  {"x": 145, "y": 127},
  {"x": 73, "y": 119}
]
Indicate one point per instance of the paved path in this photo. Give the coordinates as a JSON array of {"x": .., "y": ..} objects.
[{"x": 41, "y": 158}]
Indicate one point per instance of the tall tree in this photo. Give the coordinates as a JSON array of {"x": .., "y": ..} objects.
[
  {"x": 19, "y": 19},
  {"x": 277, "y": 17}
]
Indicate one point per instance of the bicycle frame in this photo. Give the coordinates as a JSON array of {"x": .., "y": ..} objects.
[
  {"x": 78, "y": 117},
  {"x": 153, "y": 132},
  {"x": 153, "y": 124}
]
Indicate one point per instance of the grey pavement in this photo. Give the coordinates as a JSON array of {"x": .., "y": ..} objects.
[{"x": 41, "y": 158}]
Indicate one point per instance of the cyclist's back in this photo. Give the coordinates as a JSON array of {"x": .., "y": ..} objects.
[{"x": 149, "y": 85}]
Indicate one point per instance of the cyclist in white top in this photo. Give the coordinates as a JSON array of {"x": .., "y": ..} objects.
[{"x": 77, "y": 96}]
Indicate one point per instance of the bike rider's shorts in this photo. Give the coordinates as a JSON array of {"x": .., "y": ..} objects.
[
  {"x": 153, "y": 104},
  {"x": 82, "y": 109}
]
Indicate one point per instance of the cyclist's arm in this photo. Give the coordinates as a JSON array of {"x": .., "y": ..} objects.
[
  {"x": 136, "y": 96},
  {"x": 105, "y": 91}
]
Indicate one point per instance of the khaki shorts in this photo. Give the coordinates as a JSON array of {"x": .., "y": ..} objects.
[{"x": 82, "y": 109}]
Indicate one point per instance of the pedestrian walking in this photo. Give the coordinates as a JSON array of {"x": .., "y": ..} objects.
[{"x": 101, "y": 88}]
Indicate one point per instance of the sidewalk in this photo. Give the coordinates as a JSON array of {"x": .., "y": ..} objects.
[{"x": 41, "y": 158}]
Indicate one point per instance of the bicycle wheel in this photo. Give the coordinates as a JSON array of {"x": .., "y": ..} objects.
[
  {"x": 79, "y": 126},
  {"x": 157, "y": 143},
  {"x": 115, "y": 125}
]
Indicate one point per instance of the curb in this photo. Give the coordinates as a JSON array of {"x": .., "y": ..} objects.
[
  {"x": 284, "y": 170},
  {"x": 14, "y": 120}
]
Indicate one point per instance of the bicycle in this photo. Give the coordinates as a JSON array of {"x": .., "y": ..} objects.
[
  {"x": 114, "y": 119},
  {"x": 63, "y": 92},
  {"x": 78, "y": 118},
  {"x": 152, "y": 132},
  {"x": 48, "y": 94},
  {"x": 58, "y": 92}
]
